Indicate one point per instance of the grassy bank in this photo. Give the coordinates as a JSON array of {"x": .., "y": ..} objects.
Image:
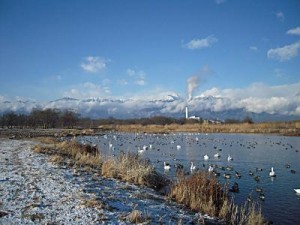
[
  {"x": 282, "y": 128},
  {"x": 203, "y": 193},
  {"x": 200, "y": 192}
]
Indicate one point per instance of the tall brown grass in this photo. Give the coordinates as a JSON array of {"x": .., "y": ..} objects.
[
  {"x": 282, "y": 128},
  {"x": 131, "y": 168},
  {"x": 203, "y": 193},
  {"x": 200, "y": 191},
  {"x": 82, "y": 155}
]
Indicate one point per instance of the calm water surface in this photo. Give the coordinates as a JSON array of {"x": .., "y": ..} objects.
[{"x": 255, "y": 153}]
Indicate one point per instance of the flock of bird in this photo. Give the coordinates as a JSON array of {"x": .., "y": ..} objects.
[{"x": 163, "y": 149}]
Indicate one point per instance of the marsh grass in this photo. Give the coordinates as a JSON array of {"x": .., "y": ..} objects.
[
  {"x": 94, "y": 203},
  {"x": 203, "y": 193},
  {"x": 82, "y": 155},
  {"x": 199, "y": 191},
  {"x": 284, "y": 128},
  {"x": 131, "y": 168},
  {"x": 137, "y": 217}
]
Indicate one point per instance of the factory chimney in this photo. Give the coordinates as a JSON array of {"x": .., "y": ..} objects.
[{"x": 186, "y": 112}]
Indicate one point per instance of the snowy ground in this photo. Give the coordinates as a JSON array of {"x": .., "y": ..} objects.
[{"x": 35, "y": 191}]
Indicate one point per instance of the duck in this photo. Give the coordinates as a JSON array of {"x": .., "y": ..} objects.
[
  {"x": 206, "y": 157},
  {"x": 179, "y": 167},
  {"x": 227, "y": 175},
  {"x": 235, "y": 188},
  {"x": 178, "y": 147},
  {"x": 258, "y": 189},
  {"x": 272, "y": 172},
  {"x": 229, "y": 158},
  {"x": 167, "y": 166},
  {"x": 217, "y": 174},
  {"x": 230, "y": 168},
  {"x": 262, "y": 196},
  {"x": 238, "y": 175}
]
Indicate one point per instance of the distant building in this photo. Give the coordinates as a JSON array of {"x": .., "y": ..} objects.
[{"x": 190, "y": 117}]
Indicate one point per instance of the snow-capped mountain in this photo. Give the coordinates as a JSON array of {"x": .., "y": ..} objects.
[{"x": 172, "y": 105}]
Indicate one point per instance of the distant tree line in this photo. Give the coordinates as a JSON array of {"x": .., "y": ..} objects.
[
  {"x": 54, "y": 118},
  {"x": 247, "y": 119},
  {"x": 48, "y": 118}
]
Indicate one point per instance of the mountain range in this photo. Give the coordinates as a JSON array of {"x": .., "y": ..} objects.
[{"x": 170, "y": 105}]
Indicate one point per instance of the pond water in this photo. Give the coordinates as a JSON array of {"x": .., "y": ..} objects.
[{"x": 255, "y": 153}]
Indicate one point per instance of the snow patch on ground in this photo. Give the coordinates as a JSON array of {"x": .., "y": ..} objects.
[{"x": 34, "y": 190}]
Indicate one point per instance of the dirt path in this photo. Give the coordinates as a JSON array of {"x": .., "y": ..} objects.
[{"x": 34, "y": 191}]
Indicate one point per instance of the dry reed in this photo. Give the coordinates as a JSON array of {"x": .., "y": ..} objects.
[
  {"x": 137, "y": 217},
  {"x": 200, "y": 191},
  {"x": 82, "y": 155},
  {"x": 203, "y": 193},
  {"x": 283, "y": 128},
  {"x": 131, "y": 168}
]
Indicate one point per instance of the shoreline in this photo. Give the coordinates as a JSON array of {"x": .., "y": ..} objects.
[
  {"x": 279, "y": 128},
  {"x": 63, "y": 133},
  {"x": 34, "y": 189}
]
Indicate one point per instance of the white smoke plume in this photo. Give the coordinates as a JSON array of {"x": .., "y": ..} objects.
[{"x": 193, "y": 82}]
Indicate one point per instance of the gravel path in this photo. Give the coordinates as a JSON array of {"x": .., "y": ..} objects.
[{"x": 35, "y": 191}]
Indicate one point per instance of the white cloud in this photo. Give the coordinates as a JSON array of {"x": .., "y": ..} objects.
[
  {"x": 279, "y": 73},
  {"x": 93, "y": 64},
  {"x": 141, "y": 81},
  {"x": 284, "y": 53},
  {"x": 139, "y": 76},
  {"x": 280, "y": 16},
  {"x": 220, "y": 1},
  {"x": 201, "y": 43},
  {"x": 87, "y": 90},
  {"x": 253, "y": 48},
  {"x": 131, "y": 72},
  {"x": 295, "y": 31},
  {"x": 258, "y": 98},
  {"x": 122, "y": 82}
]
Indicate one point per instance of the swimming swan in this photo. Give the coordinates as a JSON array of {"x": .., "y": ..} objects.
[
  {"x": 272, "y": 173},
  {"x": 206, "y": 157}
]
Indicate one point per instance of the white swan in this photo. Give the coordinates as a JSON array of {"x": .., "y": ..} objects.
[
  {"x": 141, "y": 151},
  {"x": 217, "y": 155},
  {"x": 272, "y": 173},
  {"x": 297, "y": 191},
  {"x": 229, "y": 158},
  {"x": 167, "y": 166},
  {"x": 210, "y": 168},
  {"x": 193, "y": 167},
  {"x": 178, "y": 147},
  {"x": 206, "y": 157}
]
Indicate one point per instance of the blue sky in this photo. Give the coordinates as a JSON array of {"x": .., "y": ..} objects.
[{"x": 76, "y": 48}]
